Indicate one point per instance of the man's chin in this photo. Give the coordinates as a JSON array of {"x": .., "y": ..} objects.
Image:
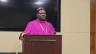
[{"x": 42, "y": 19}]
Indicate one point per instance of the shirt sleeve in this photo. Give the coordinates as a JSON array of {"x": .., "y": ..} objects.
[
  {"x": 28, "y": 28},
  {"x": 52, "y": 29}
]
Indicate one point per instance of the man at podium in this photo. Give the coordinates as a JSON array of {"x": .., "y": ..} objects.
[{"x": 39, "y": 26}]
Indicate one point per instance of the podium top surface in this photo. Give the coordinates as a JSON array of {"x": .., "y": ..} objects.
[{"x": 40, "y": 35}]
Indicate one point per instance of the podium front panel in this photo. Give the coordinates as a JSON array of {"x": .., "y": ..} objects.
[{"x": 42, "y": 44}]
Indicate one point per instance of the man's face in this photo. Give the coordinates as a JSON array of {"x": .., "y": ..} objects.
[{"x": 41, "y": 15}]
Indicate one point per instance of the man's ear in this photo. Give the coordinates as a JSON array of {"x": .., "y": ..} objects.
[{"x": 37, "y": 14}]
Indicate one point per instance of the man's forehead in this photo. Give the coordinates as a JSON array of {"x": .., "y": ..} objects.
[{"x": 42, "y": 11}]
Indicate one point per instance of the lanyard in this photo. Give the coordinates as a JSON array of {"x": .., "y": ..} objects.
[{"x": 45, "y": 31}]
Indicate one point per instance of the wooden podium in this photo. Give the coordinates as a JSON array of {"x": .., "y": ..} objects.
[{"x": 42, "y": 44}]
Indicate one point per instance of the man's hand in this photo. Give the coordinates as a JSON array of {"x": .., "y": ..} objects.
[{"x": 21, "y": 36}]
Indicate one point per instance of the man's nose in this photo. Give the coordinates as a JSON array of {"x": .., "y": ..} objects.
[{"x": 43, "y": 14}]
